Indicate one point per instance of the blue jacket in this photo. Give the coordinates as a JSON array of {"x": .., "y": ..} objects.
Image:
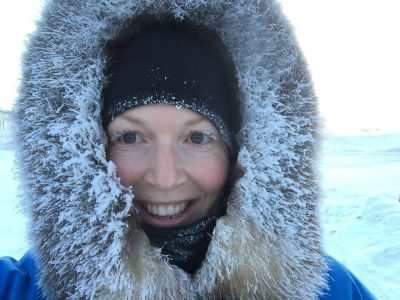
[
  {"x": 75, "y": 196},
  {"x": 18, "y": 278}
]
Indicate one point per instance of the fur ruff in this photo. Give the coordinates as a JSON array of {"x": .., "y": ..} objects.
[{"x": 82, "y": 225}]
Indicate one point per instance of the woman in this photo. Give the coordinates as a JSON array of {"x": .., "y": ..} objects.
[{"x": 167, "y": 150}]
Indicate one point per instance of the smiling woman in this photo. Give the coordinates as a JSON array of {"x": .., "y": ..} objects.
[
  {"x": 177, "y": 164},
  {"x": 168, "y": 151},
  {"x": 175, "y": 160},
  {"x": 169, "y": 133}
]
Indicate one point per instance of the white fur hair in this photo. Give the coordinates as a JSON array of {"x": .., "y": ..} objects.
[{"x": 81, "y": 218}]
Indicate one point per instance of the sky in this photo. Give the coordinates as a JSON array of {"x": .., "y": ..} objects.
[
  {"x": 352, "y": 48},
  {"x": 353, "y": 51}
]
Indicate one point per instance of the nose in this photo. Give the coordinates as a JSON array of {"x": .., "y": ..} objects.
[{"x": 165, "y": 170}]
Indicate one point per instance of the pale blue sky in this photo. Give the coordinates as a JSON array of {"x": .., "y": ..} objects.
[{"x": 352, "y": 47}]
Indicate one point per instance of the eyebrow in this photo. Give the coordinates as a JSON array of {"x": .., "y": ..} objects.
[
  {"x": 194, "y": 121},
  {"x": 134, "y": 119}
]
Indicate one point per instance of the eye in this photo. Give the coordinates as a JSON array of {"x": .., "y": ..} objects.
[
  {"x": 129, "y": 137},
  {"x": 197, "y": 137},
  {"x": 126, "y": 138},
  {"x": 201, "y": 138}
]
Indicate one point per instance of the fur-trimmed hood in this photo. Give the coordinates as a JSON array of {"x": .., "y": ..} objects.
[{"x": 266, "y": 247}]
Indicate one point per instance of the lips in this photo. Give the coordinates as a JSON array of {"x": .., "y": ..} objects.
[
  {"x": 165, "y": 215},
  {"x": 166, "y": 210}
]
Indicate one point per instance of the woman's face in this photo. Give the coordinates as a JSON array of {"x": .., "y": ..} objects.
[{"x": 174, "y": 158}]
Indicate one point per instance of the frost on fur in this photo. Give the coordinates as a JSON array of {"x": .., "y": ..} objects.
[{"x": 81, "y": 216}]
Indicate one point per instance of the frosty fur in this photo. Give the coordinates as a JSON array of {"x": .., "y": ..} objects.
[{"x": 82, "y": 222}]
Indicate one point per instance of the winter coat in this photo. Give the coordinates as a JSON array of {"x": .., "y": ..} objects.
[
  {"x": 267, "y": 246},
  {"x": 18, "y": 281}
]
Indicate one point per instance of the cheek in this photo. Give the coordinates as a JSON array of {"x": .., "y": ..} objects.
[
  {"x": 211, "y": 175},
  {"x": 125, "y": 169}
]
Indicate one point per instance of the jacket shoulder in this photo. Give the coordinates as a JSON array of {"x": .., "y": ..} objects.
[
  {"x": 18, "y": 278},
  {"x": 344, "y": 285}
]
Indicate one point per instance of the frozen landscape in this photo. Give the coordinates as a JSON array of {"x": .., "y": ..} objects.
[
  {"x": 360, "y": 213},
  {"x": 360, "y": 174},
  {"x": 361, "y": 210}
]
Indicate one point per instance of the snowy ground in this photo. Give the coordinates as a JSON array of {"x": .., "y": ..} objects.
[
  {"x": 361, "y": 212},
  {"x": 12, "y": 223}
]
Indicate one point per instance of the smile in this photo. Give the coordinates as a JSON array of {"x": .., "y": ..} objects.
[
  {"x": 166, "y": 214},
  {"x": 165, "y": 210}
]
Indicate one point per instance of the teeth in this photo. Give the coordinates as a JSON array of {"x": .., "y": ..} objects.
[{"x": 165, "y": 210}]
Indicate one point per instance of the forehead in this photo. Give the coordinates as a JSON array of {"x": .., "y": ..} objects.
[{"x": 160, "y": 114}]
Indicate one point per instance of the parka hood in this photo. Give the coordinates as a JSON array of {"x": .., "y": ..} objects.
[{"x": 82, "y": 223}]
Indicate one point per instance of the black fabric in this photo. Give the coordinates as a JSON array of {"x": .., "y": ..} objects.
[
  {"x": 185, "y": 246},
  {"x": 170, "y": 65}
]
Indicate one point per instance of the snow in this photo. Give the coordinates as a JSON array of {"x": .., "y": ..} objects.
[
  {"x": 360, "y": 213},
  {"x": 12, "y": 222}
]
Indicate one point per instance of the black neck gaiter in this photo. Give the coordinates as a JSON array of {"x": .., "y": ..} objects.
[{"x": 185, "y": 246}]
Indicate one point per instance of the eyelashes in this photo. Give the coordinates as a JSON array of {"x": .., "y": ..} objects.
[
  {"x": 130, "y": 138},
  {"x": 123, "y": 140},
  {"x": 201, "y": 138},
  {"x": 195, "y": 138}
]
